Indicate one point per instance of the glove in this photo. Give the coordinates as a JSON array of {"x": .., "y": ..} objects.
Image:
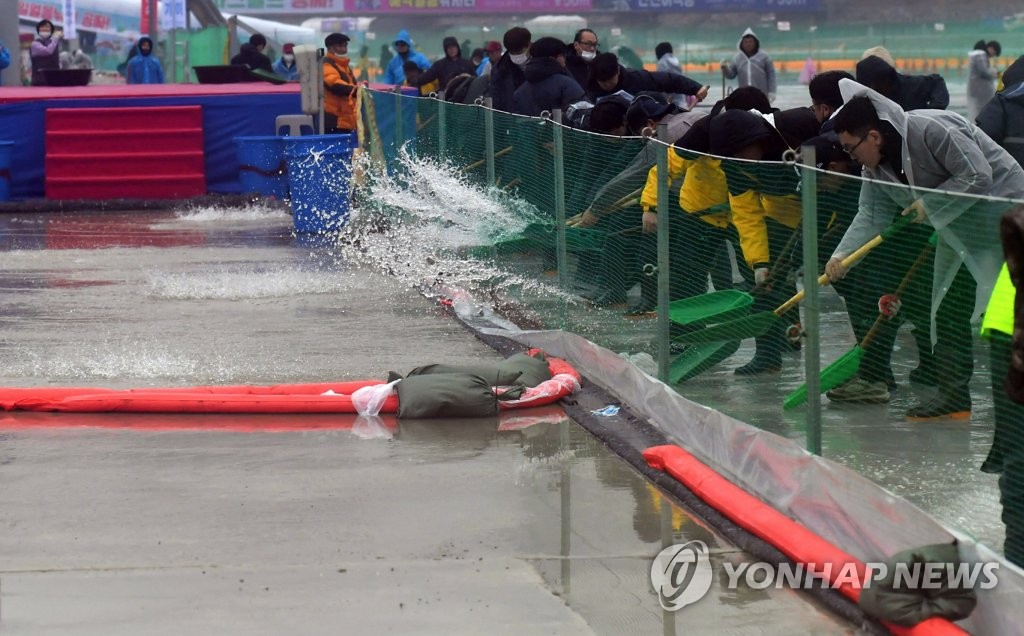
[
  {"x": 761, "y": 275},
  {"x": 889, "y": 305},
  {"x": 771, "y": 98}
]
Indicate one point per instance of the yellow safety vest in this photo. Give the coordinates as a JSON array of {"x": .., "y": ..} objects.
[{"x": 999, "y": 313}]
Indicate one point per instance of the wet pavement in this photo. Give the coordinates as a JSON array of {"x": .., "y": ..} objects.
[{"x": 121, "y": 523}]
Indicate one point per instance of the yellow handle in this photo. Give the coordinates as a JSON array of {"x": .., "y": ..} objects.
[{"x": 858, "y": 254}]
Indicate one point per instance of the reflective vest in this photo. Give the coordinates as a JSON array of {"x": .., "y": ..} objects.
[{"x": 999, "y": 313}]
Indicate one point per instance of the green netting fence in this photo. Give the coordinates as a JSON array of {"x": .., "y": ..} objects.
[{"x": 556, "y": 236}]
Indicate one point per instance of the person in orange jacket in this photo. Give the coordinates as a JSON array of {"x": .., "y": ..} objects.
[{"x": 339, "y": 85}]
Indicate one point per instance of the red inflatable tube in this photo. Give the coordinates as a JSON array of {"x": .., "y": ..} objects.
[
  {"x": 281, "y": 398},
  {"x": 792, "y": 539}
]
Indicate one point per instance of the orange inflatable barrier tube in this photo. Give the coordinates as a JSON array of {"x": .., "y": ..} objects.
[
  {"x": 321, "y": 397},
  {"x": 789, "y": 537}
]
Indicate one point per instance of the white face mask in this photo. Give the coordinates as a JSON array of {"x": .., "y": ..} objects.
[
  {"x": 588, "y": 55},
  {"x": 44, "y": 34},
  {"x": 288, "y": 58},
  {"x": 519, "y": 59}
]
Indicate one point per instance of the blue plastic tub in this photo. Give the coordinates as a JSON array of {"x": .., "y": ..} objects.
[
  {"x": 6, "y": 149},
  {"x": 319, "y": 172},
  {"x": 262, "y": 165}
]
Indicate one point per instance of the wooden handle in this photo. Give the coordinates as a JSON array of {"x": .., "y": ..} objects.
[
  {"x": 882, "y": 318},
  {"x": 858, "y": 254}
]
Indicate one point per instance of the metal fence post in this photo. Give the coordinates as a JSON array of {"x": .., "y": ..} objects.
[
  {"x": 399, "y": 120},
  {"x": 489, "y": 139},
  {"x": 440, "y": 125},
  {"x": 664, "y": 267},
  {"x": 812, "y": 304},
  {"x": 556, "y": 133}
]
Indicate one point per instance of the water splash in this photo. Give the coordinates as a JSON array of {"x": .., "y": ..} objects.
[
  {"x": 246, "y": 283},
  {"x": 258, "y": 211},
  {"x": 418, "y": 223}
]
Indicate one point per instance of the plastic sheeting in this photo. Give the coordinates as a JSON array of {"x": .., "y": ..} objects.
[{"x": 838, "y": 504}]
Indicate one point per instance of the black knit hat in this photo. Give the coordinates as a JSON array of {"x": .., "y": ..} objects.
[{"x": 547, "y": 47}]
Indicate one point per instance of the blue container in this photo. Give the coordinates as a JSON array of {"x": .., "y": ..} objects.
[
  {"x": 6, "y": 149},
  {"x": 262, "y": 166},
  {"x": 319, "y": 172}
]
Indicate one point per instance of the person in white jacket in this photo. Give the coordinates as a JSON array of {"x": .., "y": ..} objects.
[
  {"x": 930, "y": 162},
  {"x": 981, "y": 76},
  {"x": 751, "y": 66}
]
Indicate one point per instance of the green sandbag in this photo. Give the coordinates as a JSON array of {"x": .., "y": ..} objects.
[
  {"x": 445, "y": 395},
  {"x": 518, "y": 369}
]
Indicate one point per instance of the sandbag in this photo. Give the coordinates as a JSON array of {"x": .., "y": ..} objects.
[
  {"x": 446, "y": 395},
  {"x": 518, "y": 369},
  {"x": 909, "y": 605}
]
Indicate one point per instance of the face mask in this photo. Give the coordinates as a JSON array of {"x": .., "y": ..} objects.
[
  {"x": 288, "y": 58},
  {"x": 588, "y": 55},
  {"x": 44, "y": 34},
  {"x": 520, "y": 59}
]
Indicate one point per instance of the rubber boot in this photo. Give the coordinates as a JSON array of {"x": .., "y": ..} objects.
[{"x": 768, "y": 355}]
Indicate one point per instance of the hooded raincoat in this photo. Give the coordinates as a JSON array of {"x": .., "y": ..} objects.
[
  {"x": 144, "y": 68},
  {"x": 394, "y": 74},
  {"x": 755, "y": 70},
  {"x": 943, "y": 155}
]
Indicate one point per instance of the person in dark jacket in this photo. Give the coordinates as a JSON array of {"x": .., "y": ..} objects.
[
  {"x": 826, "y": 98},
  {"x": 451, "y": 65},
  {"x": 507, "y": 74},
  {"x": 1002, "y": 118},
  {"x": 45, "y": 51},
  {"x": 607, "y": 76},
  {"x": 251, "y": 54},
  {"x": 766, "y": 208},
  {"x": 548, "y": 85},
  {"x": 580, "y": 54},
  {"x": 911, "y": 92}
]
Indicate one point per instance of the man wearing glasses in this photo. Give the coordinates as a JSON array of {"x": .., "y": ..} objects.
[
  {"x": 581, "y": 53},
  {"x": 905, "y": 156}
]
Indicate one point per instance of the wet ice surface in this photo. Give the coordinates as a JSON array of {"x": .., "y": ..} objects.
[{"x": 125, "y": 524}]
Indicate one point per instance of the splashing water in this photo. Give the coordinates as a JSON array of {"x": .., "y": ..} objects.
[
  {"x": 245, "y": 283},
  {"x": 414, "y": 227},
  {"x": 259, "y": 211}
]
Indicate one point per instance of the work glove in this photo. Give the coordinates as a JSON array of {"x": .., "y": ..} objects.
[
  {"x": 761, "y": 274},
  {"x": 889, "y": 305}
]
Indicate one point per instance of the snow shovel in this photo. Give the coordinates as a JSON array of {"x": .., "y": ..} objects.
[
  {"x": 847, "y": 365},
  {"x": 759, "y": 323},
  {"x": 697, "y": 359},
  {"x": 719, "y": 306}
]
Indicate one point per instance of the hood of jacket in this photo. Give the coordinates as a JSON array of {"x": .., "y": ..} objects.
[
  {"x": 539, "y": 69},
  {"x": 874, "y": 71},
  {"x": 1014, "y": 73},
  {"x": 403, "y": 36},
  {"x": 450, "y": 41},
  {"x": 888, "y": 111},
  {"x": 150, "y": 40},
  {"x": 757, "y": 42},
  {"x": 736, "y": 129}
]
